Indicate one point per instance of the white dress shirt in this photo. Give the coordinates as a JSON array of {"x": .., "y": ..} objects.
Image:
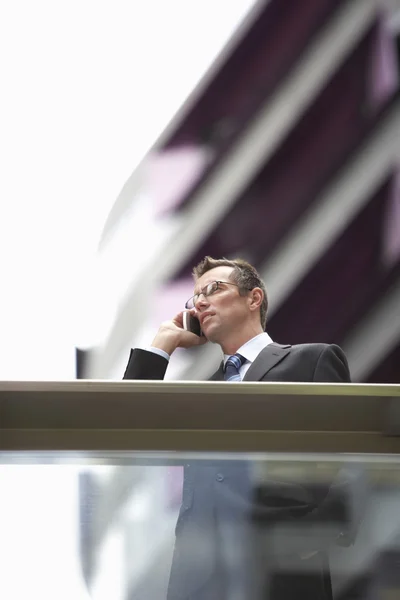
[{"x": 250, "y": 350}]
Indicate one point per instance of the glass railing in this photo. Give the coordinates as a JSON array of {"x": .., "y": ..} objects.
[{"x": 136, "y": 490}]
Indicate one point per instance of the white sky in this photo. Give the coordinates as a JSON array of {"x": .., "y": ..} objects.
[{"x": 87, "y": 87}]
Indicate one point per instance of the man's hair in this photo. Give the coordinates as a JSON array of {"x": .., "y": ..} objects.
[{"x": 243, "y": 274}]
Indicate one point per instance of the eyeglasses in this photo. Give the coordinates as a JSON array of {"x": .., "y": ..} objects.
[{"x": 208, "y": 290}]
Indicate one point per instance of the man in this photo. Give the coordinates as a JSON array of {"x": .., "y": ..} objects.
[{"x": 227, "y": 538}]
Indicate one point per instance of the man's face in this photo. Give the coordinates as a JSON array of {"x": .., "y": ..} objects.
[{"x": 225, "y": 310}]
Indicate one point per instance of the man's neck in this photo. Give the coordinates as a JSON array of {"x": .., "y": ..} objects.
[{"x": 232, "y": 345}]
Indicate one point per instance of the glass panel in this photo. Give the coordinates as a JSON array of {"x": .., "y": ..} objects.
[{"x": 227, "y": 526}]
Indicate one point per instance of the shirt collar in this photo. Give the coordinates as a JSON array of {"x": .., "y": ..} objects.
[{"x": 251, "y": 349}]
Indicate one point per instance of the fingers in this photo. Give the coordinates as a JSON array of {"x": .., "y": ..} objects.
[
  {"x": 178, "y": 319},
  {"x": 189, "y": 339},
  {"x": 186, "y": 338}
]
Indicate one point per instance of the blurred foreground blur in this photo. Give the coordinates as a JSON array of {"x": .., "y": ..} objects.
[
  {"x": 285, "y": 154},
  {"x": 92, "y": 477}
]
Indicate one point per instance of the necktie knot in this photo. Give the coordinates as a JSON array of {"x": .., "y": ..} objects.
[{"x": 232, "y": 367}]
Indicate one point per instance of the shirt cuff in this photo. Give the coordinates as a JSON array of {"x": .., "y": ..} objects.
[{"x": 159, "y": 352}]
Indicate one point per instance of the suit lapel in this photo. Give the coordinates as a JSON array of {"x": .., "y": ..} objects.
[
  {"x": 265, "y": 361},
  {"x": 270, "y": 356}
]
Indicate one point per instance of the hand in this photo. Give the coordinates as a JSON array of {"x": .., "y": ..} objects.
[{"x": 172, "y": 335}]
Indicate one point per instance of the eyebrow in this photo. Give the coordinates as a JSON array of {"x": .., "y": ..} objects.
[
  {"x": 205, "y": 285},
  {"x": 198, "y": 290}
]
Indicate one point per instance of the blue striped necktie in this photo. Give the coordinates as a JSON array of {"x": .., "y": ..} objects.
[{"x": 232, "y": 367}]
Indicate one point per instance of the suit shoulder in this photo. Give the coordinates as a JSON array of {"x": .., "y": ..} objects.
[
  {"x": 330, "y": 363},
  {"x": 316, "y": 347},
  {"x": 316, "y": 351},
  {"x": 313, "y": 349}
]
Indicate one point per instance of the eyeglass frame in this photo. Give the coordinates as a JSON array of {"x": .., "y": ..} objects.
[{"x": 197, "y": 296}]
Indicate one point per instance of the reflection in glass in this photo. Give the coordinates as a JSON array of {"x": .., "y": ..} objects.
[{"x": 256, "y": 526}]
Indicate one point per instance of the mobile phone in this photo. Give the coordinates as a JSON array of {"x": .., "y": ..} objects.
[{"x": 191, "y": 323}]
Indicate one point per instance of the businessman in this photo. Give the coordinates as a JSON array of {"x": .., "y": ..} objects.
[{"x": 228, "y": 535}]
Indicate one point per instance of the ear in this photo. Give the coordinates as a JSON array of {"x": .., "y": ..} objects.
[{"x": 256, "y": 297}]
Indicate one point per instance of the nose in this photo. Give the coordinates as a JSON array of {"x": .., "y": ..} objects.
[{"x": 201, "y": 302}]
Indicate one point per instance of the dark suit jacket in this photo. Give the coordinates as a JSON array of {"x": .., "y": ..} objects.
[
  {"x": 224, "y": 492},
  {"x": 302, "y": 363}
]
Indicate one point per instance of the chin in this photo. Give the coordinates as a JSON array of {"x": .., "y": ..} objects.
[
  {"x": 212, "y": 335},
  {"x": 209, "y": 333}
]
